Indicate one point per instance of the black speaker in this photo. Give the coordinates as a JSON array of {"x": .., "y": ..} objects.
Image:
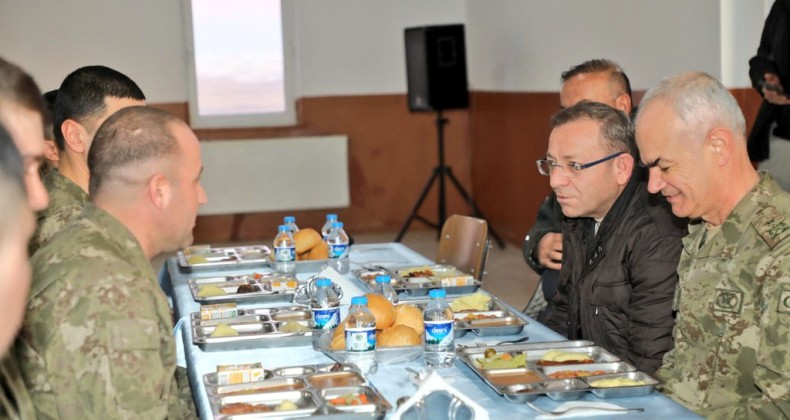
[{"x": 436, "y": 68}]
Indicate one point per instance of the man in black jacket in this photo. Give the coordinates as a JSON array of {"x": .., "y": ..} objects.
[
  {"x": 621, "y": 245},
  {"x": 597, "y": 80},
  {"x": 769, "y": 141}
]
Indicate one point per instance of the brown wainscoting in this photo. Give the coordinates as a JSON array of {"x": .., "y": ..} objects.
[{"x": 492, "y": 148}]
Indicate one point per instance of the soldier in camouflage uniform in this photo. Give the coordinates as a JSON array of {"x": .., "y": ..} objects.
[
  {"x": 21, "y": 151},
  {"x": 97, "y": 340},
  {"x": 85, "y": 99},
  {"x": 732, "y": 336}
]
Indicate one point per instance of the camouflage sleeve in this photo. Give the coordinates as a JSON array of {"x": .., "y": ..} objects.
[
  {"x": 653, "y": 276},
  {"x": 108, "y": 351},
  {"x": 772, "y": 375}
]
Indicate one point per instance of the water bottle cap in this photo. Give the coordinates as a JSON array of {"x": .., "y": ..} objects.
[
  {"x": 289, "y": 219},
  {"x": 383, "y": 278},
  {"x": 323, "y": 282},
  {"x": 331, "y": 217},
  {"x": 282, "y": 228},
  {"x": 437, "y": 293},
  {"x": 359, "y": 300},
  {"x": 337, "y": 224}
]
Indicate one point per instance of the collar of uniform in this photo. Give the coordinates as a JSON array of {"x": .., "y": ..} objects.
[
  {"x": 59, "y": 181},
  {"x": 116, "y": 232},
  {"x": 734, "y": 226}
]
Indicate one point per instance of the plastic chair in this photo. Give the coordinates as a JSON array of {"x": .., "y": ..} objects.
[{"x": 464, "y": 244}]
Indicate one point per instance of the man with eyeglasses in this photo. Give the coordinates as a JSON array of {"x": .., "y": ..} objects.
[
  {"x": 597, "y": 80},
  {"x": 620, "y": 245}
]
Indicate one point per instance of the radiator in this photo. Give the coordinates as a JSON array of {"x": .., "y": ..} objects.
[{"x": 295, "y": 173}]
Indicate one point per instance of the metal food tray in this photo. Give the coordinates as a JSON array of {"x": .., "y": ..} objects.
[
  {"x": 384, "y": 355},
  {"x": 257, "y": 328},
  {"x": 517, "y": 391},
  {"x": 224, "y": 257},
  {"x": 309, "y": 387},
  {"x": 264, "y": 292},
  {"x": 506, "y": 322},
  {"x": 445, "y": 276}
]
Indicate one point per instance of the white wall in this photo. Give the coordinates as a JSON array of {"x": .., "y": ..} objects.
[
  {"x": 524, "y": 45},
  {"x": 349, "y": 47},
  {"x": 741, "y": 27}
]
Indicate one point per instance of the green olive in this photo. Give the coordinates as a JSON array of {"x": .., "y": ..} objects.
[{"x": 489, "y": 353}]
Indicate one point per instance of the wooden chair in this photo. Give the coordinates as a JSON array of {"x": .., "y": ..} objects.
[{"x": 464, "y": 244}]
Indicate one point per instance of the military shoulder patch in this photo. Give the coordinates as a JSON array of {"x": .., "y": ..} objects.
[
  {"x": 771, "y": 225},
  {"x": 728, "y": 300},
  {"x": 784, "y": 302}
]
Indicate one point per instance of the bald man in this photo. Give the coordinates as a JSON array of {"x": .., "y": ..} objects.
[{"x": 97, "y": 340}]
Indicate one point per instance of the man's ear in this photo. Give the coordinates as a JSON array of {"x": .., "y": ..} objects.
[
  {"x": 623, "y": 166},
  {"x": 623, "y": 103},
  {"x": 720, "y": 142},
  {"x": 159, "y": 192},
  {"x": 75, "y": 136},
  {"x": 51, "y": 151}
]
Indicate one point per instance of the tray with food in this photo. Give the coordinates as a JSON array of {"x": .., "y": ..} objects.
[
  {"x": 419, "y": 280},
  {"x": 205, "y": 257},
  {"x": 310, "y": 390},
  {"x": 253, "y": 287},
  {"x": 560, "y": 370},
  {"x": 277, "y": 327},
  {"x": 480, "y": 313}
]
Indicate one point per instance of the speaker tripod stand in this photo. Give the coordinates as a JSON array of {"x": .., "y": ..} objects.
[{"x": 439, "y": 173}]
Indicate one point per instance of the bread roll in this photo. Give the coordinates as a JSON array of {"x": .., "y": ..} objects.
[
  {"x": 319, "y": 252},
  {"x": 410, "y": 316},
  {"x": 339, "y": 338},
  {"x": 306, "y": 239},
  {"x": 398, "y": 335},
  {"x": 382, "y": 310}
]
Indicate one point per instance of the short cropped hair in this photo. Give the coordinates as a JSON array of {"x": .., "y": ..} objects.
[
  {"x": 616, "y": 127},
  {"x": 700, "y": 102},
  {"x": 132, "y": 136},
  {"x": 82, "y": 94},
  {"x": 49, "y": 116},
  {"x": 18, "y": 88},
  {"x": 600, "y": 65},
  {"x": 12, "y": 184}
]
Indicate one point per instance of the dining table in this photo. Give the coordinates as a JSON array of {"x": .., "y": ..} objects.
[{"x": 393, "y": 381}]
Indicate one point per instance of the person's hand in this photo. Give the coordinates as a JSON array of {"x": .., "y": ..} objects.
[
  {"x": 550, "y": 251},
  {"x": 772, "y": 90}
]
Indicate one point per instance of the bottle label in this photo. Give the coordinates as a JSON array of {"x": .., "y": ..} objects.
[
  {"x": 439, "y": 332},
  {"x": 285, "y": 254},
  {"x": 337, "y": 250},
  {"x": 326, "y": 318},
  {"x": 360, "y": 339}
]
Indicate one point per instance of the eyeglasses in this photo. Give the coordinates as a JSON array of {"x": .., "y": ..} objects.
[{"x": 573, "y": 168}]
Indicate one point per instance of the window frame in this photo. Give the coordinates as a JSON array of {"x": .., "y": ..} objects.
[{"x": 269, "y": 119}]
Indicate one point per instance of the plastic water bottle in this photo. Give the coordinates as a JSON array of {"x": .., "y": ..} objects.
[
  {"x": 284, "y": 251},
  {"x": 338, "y": 248},
  {"x": 325, "y": 307},
  {"x": 384, "y": 288},
  {"x": 439, "y": 331},
  {"x": 330, "y": 218},
  {"x": 361, "y": 335},
  {"x": 290, "y": 221}
]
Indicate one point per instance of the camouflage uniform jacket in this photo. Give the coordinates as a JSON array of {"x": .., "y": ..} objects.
[
  {"x": 15, "y": 401},
  {"x": 732, "y": 337},
  {"x": 97, "y": 340},
  {"x": 66, "y": 202}
]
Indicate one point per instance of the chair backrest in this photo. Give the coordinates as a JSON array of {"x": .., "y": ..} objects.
[{"x": 464, "y": 244}]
